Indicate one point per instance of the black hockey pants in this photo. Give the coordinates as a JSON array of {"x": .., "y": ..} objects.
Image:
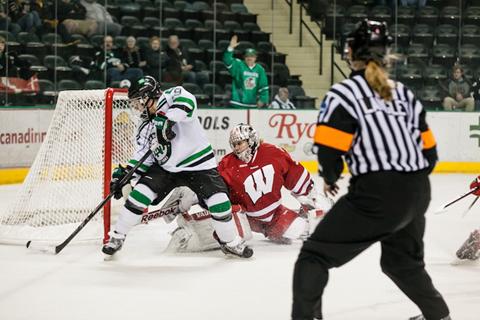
[{"x": 388, "y": 207}]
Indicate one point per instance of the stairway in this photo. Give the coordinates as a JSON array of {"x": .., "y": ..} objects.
[{"x": 303, "y": 60}]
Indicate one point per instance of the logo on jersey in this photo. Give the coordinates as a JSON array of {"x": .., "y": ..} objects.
[
  {"x": 162, "y": 153},
  {"x": 260, "y": 182},
  {"x": 250, "y": 83}
]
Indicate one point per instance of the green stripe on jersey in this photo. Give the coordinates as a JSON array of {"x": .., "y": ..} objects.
[
  {"x": 195, "y": 156},
  {"x": 140, "y": 197},
  {"x": 221, "y": 207},
  {"x": 188, "y": 101},
  {"x": 143, "y": 167}
]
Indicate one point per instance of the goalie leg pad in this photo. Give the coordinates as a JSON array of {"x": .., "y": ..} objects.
[
  {"x": 194, "y": 233},
  {"x": 286, "y": 223},
  {"x": 242, "y": 224}
]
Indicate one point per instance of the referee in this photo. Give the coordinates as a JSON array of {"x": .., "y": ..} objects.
[{"x": 380, "y": 128}]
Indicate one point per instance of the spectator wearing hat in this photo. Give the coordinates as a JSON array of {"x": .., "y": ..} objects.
[{"x": 250, "y": 84}]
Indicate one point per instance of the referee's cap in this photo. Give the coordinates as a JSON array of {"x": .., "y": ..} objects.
[{"x": 369, "y": 41}]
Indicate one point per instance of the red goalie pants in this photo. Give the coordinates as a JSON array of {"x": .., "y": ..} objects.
[{"x": 274, "y": 230}]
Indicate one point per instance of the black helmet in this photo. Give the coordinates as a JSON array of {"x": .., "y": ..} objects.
[
  {"x": 369, "y": 41},
  {"x": 146, "y": 87}
]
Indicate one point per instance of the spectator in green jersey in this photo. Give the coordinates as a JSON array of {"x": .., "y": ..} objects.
[{"x": 250, "y": 84}]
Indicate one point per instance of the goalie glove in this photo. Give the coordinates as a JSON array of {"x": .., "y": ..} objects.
[
  {"x": 164, "y": 129},
  {"x": 313, "y": 200}
]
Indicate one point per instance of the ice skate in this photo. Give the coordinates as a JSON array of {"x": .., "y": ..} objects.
[
  {"x": 421, "y": 317},
  {"x": 236, "y": 247},
  {"x": 114, "y": 244},
  {"x": 470, "y": 249}
]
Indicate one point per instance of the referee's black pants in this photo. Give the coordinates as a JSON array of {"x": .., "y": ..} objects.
[{"x": 388, "y": 207}]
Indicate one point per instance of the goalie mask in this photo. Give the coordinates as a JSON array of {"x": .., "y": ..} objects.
[{"x": 244, "y": 132}]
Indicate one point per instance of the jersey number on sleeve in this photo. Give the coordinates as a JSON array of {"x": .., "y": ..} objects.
[{"x": 260, "y": 182}]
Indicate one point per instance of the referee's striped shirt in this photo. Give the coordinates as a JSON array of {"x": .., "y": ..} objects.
[{"x": 374, "y": 134}]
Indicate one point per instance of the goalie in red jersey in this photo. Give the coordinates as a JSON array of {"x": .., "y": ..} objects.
[{"x": 255, "y": 173}]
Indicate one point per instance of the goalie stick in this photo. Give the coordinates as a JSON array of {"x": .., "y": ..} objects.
[
  {"x": 443, "y": 208},
  {"x": 470, "y": 207},
  {"x": 58, "y": 248}
]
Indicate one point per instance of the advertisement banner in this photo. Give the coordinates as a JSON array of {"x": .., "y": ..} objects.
[
  {"x": 22, "y": 132},
  {"x": 457, "y": 134},
  {"x": 291, "y": 130}
]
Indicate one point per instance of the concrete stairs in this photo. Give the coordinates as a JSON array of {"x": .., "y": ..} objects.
[{"x": 303, "y": 60}]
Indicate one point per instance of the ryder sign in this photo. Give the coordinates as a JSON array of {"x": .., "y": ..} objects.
[{"x": 291, "y": 130}]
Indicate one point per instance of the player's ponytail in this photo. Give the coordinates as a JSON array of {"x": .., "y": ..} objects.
[{"x": 377, "y": 78}]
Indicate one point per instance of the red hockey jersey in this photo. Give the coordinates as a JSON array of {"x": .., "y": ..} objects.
[{"x": 256, "y": 185}]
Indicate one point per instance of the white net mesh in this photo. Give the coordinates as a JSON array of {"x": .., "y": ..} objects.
[{"x": 66, "y": 180}]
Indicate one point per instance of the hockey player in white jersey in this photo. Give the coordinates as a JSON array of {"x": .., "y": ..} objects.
[{"x": 181, "y": 156}]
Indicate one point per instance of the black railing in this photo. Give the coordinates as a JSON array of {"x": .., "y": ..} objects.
[
  {"x": 318, "y": 40},
  {"x": 290, "y": 5},
  {"x": 334, "y": 65}
]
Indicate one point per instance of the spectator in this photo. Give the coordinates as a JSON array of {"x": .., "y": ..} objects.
[
  {"x": 459, "y": 92},
  {"x": 71, "y": 19},
  {"x": 132, "y": 54},
  {"x": 250, "y": 84},
  {"x": 281, "y": 100},
  {"x": 24, "y": 14},
  {"x": 11, "y": 65},
  {"x": 5, "y": 21},
  {"x": 179, "y": 68},
  {"x": 117, "y": 70},
  {"x": 98, "y": 13},
  {"x": 155, "y": 57}
]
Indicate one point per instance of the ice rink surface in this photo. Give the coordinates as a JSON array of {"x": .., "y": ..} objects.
[{"x": 146, "y": 283}]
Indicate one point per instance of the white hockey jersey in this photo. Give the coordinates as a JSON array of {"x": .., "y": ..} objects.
[{"x": 190, "y": 149}]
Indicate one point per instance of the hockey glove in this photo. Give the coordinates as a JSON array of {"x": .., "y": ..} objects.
[
  {"x": 164, "y": 129},
  {"x": 475, "y": 185},
  {"x": 118, "y": 174}
]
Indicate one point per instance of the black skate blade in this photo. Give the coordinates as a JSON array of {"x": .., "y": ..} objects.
[{"x": 247, "y": 252}]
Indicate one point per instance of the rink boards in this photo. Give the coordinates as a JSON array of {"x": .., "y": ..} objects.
[{"x": 458, "y": 136}]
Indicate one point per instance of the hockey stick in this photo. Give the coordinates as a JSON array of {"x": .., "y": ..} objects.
[
  {"x": 126, "y": 178},
  {"x": 445, "y": 206},
  {"x": 470, "y": 207}
]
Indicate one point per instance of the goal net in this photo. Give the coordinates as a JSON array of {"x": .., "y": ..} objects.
[{"x": 90, "y": 130}]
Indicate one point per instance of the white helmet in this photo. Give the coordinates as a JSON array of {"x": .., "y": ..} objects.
[{"x": 244, "y": 132}]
